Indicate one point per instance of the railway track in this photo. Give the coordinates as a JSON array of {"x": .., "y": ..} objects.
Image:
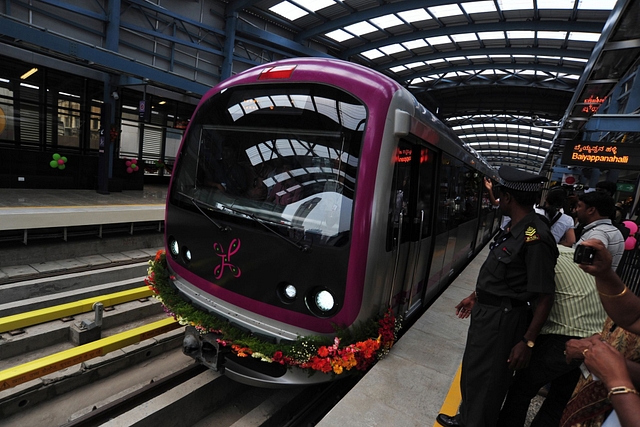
[{"x": 134, "y": 374}]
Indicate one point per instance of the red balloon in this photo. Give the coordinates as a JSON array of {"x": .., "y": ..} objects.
[
  {"x": 128, "y": 163},
  {"x": 60, "y": 162},
  {"x": 134, "y": 161},
  {"x": 129, "y": 170},
  {"x": 630, "y": 243}
]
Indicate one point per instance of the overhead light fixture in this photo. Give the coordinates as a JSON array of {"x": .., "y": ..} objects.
[
  {"x": 29, "y": 73},
  {"x": 162, "y": 102}
]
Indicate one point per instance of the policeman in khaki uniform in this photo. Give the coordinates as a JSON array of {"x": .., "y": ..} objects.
[{"x": 513, "y": 297}]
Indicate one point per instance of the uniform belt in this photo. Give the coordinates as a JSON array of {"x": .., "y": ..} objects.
[{"x": 489, "y": 299}]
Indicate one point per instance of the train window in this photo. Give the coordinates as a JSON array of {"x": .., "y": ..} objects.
[
  {"x": 282, "y": 154},
  {"x": 410, "y": 204}
]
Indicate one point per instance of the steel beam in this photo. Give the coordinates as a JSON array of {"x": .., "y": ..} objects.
[{"x": 85, "y": 54}]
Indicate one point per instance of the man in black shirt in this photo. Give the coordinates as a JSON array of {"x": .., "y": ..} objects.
[{"x": 513, "y": 297}]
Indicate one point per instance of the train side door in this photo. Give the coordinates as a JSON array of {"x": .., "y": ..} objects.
[{"x": 412, "y": 219}]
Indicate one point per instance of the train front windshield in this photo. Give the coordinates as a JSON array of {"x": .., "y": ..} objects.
[{"x": 284, "y": 155}]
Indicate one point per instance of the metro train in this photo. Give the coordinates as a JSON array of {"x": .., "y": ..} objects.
[{"x": 311, "y": 196}]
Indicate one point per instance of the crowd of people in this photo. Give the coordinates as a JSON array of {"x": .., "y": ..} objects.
[{"x": 549, "y": 314}]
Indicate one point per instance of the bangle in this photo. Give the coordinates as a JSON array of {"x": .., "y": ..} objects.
[
  {"x": 615, "y": 295},
  {"x": 621, "y": 390}
]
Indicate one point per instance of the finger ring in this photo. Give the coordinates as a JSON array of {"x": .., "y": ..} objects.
[{"x": 584, "y": 352}]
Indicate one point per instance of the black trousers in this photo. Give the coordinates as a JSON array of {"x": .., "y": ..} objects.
[
  {"x": 547, "y": 365},
  {"x": 486, "y": 376}
]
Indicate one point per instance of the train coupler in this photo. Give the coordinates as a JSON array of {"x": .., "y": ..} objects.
[{"x": 204, "y": 348}]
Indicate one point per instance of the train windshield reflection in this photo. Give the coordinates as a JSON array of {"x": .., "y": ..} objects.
[{"x": 288, "y": 157}]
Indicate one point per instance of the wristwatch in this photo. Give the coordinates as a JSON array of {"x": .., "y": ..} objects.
[{"x": 529, "y": 344}]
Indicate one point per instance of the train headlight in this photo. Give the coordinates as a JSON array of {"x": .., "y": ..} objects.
[
  {"x": 321, "y": 302},
  {"x": 187, "y": 254},
  {"x": 324, "y": 301},
  {"x": 287, "y": 292},
  {"x": 290, "y": 291},
  {"x": 174, "y": 247}
]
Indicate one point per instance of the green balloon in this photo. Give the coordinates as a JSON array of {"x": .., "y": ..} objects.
[
  {"x": 61, "y": 167},
  {"x": 53, "y": 163},
  {"x": 64, "y": 159},
  {"x": 56, "y": 156}
]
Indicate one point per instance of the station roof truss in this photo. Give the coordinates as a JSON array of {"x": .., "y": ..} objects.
[{"x": 504, "y": 74}]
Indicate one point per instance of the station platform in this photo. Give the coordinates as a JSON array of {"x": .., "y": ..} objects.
[
  {"x": 33, "y": 208},
  {"x": 419, "y": 378},
  {"x": 34, "y": 223}
]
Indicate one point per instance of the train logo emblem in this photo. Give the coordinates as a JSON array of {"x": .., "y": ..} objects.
[{"x": 225, "y": 259}]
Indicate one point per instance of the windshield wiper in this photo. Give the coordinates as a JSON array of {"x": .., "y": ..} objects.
[
  {"x": 197, "y": 203},
  {"x": 303, "y": 247}
]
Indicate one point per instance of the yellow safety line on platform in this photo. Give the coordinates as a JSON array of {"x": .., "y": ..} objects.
[
  {"x": 35, "y": 369},
  {"x": 22, "y": 320},
  {"x": 453, "y": 399}
]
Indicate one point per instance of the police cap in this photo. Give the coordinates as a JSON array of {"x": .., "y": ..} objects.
[{"x": 519, "y": 180}]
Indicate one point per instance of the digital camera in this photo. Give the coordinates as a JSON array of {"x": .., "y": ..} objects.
[{"x": 584, "y": 254}]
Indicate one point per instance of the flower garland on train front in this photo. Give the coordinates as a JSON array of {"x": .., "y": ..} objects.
[{"x": 348, "y": 350}]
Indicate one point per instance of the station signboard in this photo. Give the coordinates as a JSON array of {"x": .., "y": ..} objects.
[{"x": 601, "y": 155}]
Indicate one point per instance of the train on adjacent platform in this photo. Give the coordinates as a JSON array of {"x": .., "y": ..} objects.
[{"x": 309, "y": 193}]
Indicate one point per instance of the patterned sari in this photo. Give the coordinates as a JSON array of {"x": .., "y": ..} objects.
[{"x": 589, "y": 406}]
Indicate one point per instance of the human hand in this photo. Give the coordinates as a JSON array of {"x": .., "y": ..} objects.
[
  {"x": 607, "y": 364},
  {"x": 463, "y": 310},
  {"x": 574, "y": 349},
  {"x": 519, "y": 356},
  {"x": 488, "y": 184}
]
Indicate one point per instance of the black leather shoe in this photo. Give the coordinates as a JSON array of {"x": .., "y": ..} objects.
[{"x": 447, "y": 421}]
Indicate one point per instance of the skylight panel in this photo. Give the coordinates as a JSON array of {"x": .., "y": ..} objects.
[
  {"x": 414, "y": 15},
  {"x": 421, "y": 80},
  {"x": 576, "y": 59},
  {"x": 445, "y": 10},
  {"x": 555, "y": 4},
  {"x": 521, "y": 34},
  {"x": 392, "y": 48},
  {"x": 479, "y": 7},
  {"x": 387, "y": 21},
  {"x": 515, "y": 4},
  {"x": 456, "y": 58},
  {"x": 584, "y": 37},
  {"x": 415, "y": 44},
  {"x": 554, "y": 35},
  {"x": 416, "y": 65},
  {"x": 435, "y": 61},
  {"x": 596, "y": 4},
  {"x": 288, "y": 10},
  {"x": 361, "y": 28},
  {"x": 553, "y": 58},
  {"x": 466, "y": 37},
  {"x": 475, "y": 57},
  {"x": 314, "y": 5},
  {"x": 398, "y": 69},
  {"x": 339, "y": 35},
  {"x": 438, "y": 40},
  {"x": 372, "y": 54},
  {"x": 491, "y": 35}
]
